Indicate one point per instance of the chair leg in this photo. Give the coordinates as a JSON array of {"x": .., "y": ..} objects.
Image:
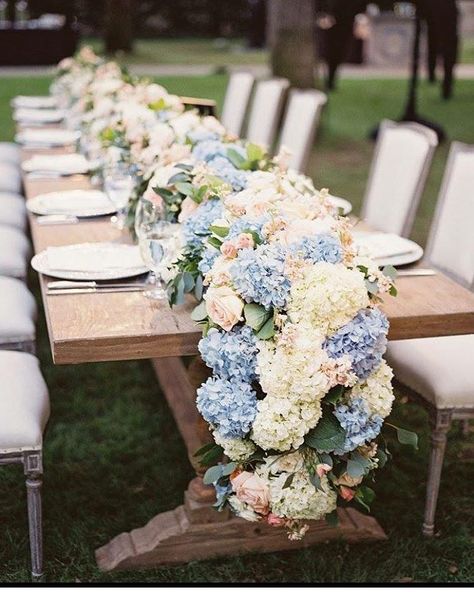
[
  {"x": 33, "y": 470},
  {"x": 441, "y": 425}
]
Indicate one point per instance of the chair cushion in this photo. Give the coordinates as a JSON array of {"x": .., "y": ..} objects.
[
  {"x": 11, "y": 153},
  {"x": 12, "y": 210},
  {"x": 17, "y": 312},
  {"x": 10, "y": 177},
  {"x": 14, "y": 252},
  {"x": 24, "y": 403},
  {"x": 439, "y": 368}
]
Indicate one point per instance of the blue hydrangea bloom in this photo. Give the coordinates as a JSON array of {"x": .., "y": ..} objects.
[
  {"x": 209, "y": 149},
  {"x": 222, "y": 491},
  {"x": 229, "y": 405},
  {"x": 363, "y": 339},
  {"x": 231, "y": 353},
  {"x": 359, "y": 425},
  {"x": 196, "y": 226},
  {"x": 226, "y": 171},
  {"x": 321, "y": 247},
  {"x": 259, "y": 276},
  {"x": 208, "y": 256},
  {"x": 245, "y": 224},
  {"x": 202, "y": 135}
]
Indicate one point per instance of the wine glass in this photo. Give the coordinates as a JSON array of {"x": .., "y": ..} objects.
[
  {"x": 118, "y": 185},
  {"x": 158, "y": 244}
]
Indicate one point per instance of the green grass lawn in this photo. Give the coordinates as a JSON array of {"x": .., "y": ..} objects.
[{"x": 114, "y": 457}]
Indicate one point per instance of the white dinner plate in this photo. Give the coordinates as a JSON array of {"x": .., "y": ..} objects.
[
  {"x": 405, "y": 251},
  {"x": 60, "y": 164},
  {"x": 100, "y": 253},
  {"x": 338, "y": 202},
  {"x": 76, "y": 202},
  {"x": 34, "y": 102},
  {"x": 38, "y": 116},
  {"x": 46, "y": 138}
]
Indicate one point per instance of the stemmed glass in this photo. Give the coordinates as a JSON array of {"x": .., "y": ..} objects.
[
  {"x": 119, "y": 182},
  {"x": 158, "y": 240}
]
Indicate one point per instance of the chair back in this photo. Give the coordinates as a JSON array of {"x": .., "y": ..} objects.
[
  {"x": 299, "y": 126},
  {"x": 236, "y": 101},
  {"x": 398, "y": 174},
  {"x": 450, "y": 245},
  {"x": 266, "y": 110}
]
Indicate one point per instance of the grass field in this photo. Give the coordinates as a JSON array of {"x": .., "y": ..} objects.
[{"x": 114, "y": 457}]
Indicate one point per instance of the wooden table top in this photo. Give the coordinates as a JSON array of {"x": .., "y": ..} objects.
[{"x": 122, "y": 326}]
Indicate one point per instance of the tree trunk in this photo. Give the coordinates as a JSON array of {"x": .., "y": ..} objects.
[
  {"x": 291, "y": 37},
  {"x": 118, "y": 25}
]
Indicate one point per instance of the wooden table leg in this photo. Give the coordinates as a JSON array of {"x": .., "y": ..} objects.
[{"x": 195, "y": 530}]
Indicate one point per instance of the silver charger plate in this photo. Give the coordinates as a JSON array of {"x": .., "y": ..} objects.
[
  {"x": 40, "y": 264},
  {"x": 43, "y": 205}
]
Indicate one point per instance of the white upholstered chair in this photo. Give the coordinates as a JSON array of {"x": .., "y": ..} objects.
[
  {"x": 13, "y": 210},
  {"x": 14, "y": 252},
  {"x": 265, "y": 111},
  {"x": 398, "y": 174},
  {"x": 10, "y": 153},
  {"x": 18, "y": 313},
  {"x": 236, "y": 101},
  {"x": 439, "y": 370},
  {"x": 10, "y": 177},
  {"x": 301, "y": 120},
  {"x": 24, "y": 412}
]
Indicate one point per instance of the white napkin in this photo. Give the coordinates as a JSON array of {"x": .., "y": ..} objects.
[
  {"x": 94, "y": 257},
  {"x": 46, "y": 137},
  {"x": 382, "y": 244},
  {"x": 38, "y": 115},
  {"x": 74, "y": 202},
  {"x": 63, "y": 164},
  {"x": 34, "y": 102}
]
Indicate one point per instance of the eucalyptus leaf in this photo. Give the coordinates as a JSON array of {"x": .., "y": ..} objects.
[
  {"x": 256, "y": 315},
  {"x": 228, "y": 469},
  {"x": 215, "y": 242},
  {"x": 200, "y": 312},
  {"x": 188, "y": 280},
  {"x": 267, "y": 331},
  {"x": 178, "y": 178},
  {"x": 358, "y": 466},
  {"x": 235, "y": 158},
  {"x": 212, "y": 475},
  {"x": 390, "y": 271},
  {"x": 372, "y": 287},
  {"x": 327, "y": 436},
  {"x": 198, "y": 287},
  {"x": 405, "y": 436},
  {"x": 185, "y": 188},
  {"x": 221, "y": 231}
]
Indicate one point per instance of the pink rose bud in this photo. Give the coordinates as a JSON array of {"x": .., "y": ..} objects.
[
  {"x": 346, "y": 493},
  {"x": 274, "y": 520},
  {"x": 244, "y": 241},
  {"x": 322, "y": 469},
  {"x": 229, "y": 250}
]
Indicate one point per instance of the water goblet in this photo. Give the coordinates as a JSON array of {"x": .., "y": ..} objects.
[{"x": 118, "y": 185}]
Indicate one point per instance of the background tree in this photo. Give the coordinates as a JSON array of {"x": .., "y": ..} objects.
[
  {"x": 291, "y": 39},
  {"x": 118, "y": 25}
]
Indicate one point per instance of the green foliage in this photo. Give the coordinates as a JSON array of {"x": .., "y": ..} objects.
[{"x": 327, "y": 436}]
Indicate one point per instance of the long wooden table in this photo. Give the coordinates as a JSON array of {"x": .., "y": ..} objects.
[{"x": 100, "y": 327}]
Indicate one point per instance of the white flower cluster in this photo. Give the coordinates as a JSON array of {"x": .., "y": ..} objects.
[
  {"x": 235, "y": 448},
  {"x": 377, "y": 390}
]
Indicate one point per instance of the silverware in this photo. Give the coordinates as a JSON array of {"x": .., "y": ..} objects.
[
  {"x": 98, "y": 290},
  {"x": 74, "y": 284},
  {"x": 50, "y": 219},
  {"x": 415, "y": 272}
]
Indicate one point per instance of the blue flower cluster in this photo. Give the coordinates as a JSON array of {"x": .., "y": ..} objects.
[
  {"x": 229, "y": 405},
  {"x": 231, "y": 354},
  {"x": 321, "y": 247},
  {"x": 196, "y": 226},
  {"x": 245, "y": 224},
  {"x": 226, "y": 171},
  {"x": 359, "y": 425},
  {"x": 363, "y": 339},
  {"x": 207, "y": 150},
  {"x": 202, "y": 135},
  {"x": 208, "y": 256},
  {"x": 222, "y": 491},
  {"x": 259, "y": 276}
]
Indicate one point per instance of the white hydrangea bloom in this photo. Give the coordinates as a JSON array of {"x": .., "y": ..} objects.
[
  {"x": 243, "y": 510},
  {"x": 300, "y": 500},
  {"x": 236, "y": 449},
  {"x": 377, "y": 390},
  {"x": 327, "y": 297},
  {"x": 282, "y": 424}
]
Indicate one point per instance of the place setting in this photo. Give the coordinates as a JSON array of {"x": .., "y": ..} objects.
[
  {"x": 56, "y": 165},
  {"x": 30, "y": 116},
  {"x": 37, "y": 138}
]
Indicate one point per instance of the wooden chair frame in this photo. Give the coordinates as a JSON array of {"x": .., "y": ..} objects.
[{"x": 416, "y": 196}]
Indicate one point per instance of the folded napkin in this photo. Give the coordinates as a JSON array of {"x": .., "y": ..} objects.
[
  {"x": 38, "y": 115},
  {"x": 34, "y": 102},
  {"x": 94, "y": 257},
  {"x": 74, "y": 202},
  {"x": 382, "y": 244},
  {"x": 46, "y": 137},
  {"x": 63, "y": 164}
]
